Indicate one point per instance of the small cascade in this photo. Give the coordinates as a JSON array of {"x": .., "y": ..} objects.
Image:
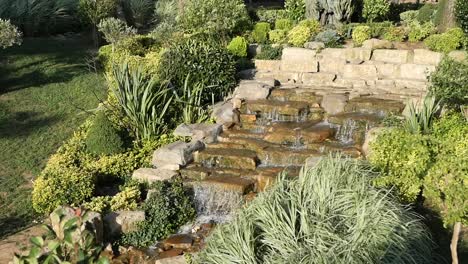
[
  {"x": 298, "y": 143},
  {"x": 346, "y": 131}
]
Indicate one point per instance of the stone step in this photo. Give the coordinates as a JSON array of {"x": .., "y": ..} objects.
[
  {"x": 277, "y": 110},
  {"x": 300, "y": 95},
  {"x": 229, "y": 183},
  {"x": 227, "y": 158},
  {"x": 197, "y": 171},
  {"x": 374, "y": 106},
  {"x": 294, "y": 133},
  {"x": 280, "y": 156},
  {"x": 352, "y": 127}
]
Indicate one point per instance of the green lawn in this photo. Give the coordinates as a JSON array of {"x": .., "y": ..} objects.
[{"x": 46, "y": 86}]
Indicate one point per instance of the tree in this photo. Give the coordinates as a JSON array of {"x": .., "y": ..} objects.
[
  {"x": 95, "y": 10},
  {"x": 330, "y": 12}
]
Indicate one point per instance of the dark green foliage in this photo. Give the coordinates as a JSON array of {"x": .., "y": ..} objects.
[
  {"x": 138, "y": 12},
  {"x": 260, "y": 32},
  {"x": 379, "y": 29},
  {"x": 397, "y": 8},
  {"x": 270, "y": 15},
  {"x": 331, "y": 38},
  {"x": 102, "y": 137},
  {"x": 295, "y": 9},
  {"x": 270, "y": 53},
  {"x": 207, "y": 62},
  {"x": 284, "y": 24},
  {"x": 461, "y": 12},
  {"x": 168, "y": 207},
  {"x": 426, "y": 13},
  {"x": 449, "y": 83}
]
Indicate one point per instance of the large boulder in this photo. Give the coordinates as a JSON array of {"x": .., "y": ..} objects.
[
  {"x": 154, "y": 175},
  {"x": 299, "y": 60},
  {"x": 178, "y": 153},
  {"x": 124, "y": 222},
  {"x": 317, "y": 78},
  {"x": 314, "y": 45},
  {"x": 252, "y": 90},
  {"x": 331, "y": 64},
  {"x": 371, "y": 136},
  {"x": 348, "y": 54},
  {"x": 222, "y": 112},
  {"x": 267, "y": 65},
  {"x": 172, "y": 260},
  {"x": 204, "y": 132},
  {"x": 334, "y": 103}
]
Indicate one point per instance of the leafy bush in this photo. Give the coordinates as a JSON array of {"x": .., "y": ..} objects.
[
  {"x": 214, "y": 17},
  {"x": 9, "y": 34},
  {"x": 375, "y": 9},
  {"x": 115, "y": 30},
  {"x": 207, "y": 62},
  {"x": 361, "y": 34},
  {"x": 452, "y": 39},
  {"x": 278, "y": 36},
  {"x": 99, "y": 204},
  {"x": 94, "y": 10},
  {"x": 102, "y": 137},
  {"x": 295, "y": 9},
  {"x": 409, "y": 16},
  {"x": 461, "y": 12},
  {"x": 271, "y": 15},
  {"x": 449, "y": 83},
  {"x": 312, "y": 24},
  {"x": 165, "y": 17},
  {"x": 395, "y": 34},
  {"x": 126, "y": 199},
  {"x": 329, "y": 214},
  {"x": 138, "y": 12},
  {"x": 238, "y": 47},
  {"x": 418, "y": 31},
  {"x": 299, "y": 35},
  {"x": 284, "y": 24},
  {"x": 270, "y": 53},
  {"x": 330, "y": 38},
  {"x": 167, "y": 208},
  {"x": 260, "y": 32},
  {"x": 421, "y": 118},
  {"x": 378, "y": 29},
  {"x": 426, "y": 13}
]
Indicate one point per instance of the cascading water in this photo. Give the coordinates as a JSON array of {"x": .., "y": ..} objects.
[{"x": 346, "y": 131}]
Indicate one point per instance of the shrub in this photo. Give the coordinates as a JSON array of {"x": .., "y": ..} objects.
[
  {"x": 409, "y": 16},
  {"x": 102, "y": 137},
  {"x": 452, "y": 39},
  {"x": 138, "y": 12},
  {"x": 461, "y": 12},
  {"x": 449, "y": 83},
  {"x": 99, "y": 204},
  {"x": 330, "y": 38},
  {"x": 270, "y": 15},
  {"x": 378, "y": 29},
  {"x": 260, "y": 32},
  {"x": 421, "y": 120},
  {"x": 395, "y": 34},
  {"x": 270, "y": 53},
  {"x": 299, "y": 35},
  {"x": 167, "y": 208},
  {"x": 94, "y": 10},
  {"x": 295, "y": 9},
  {"x": 238, "y": 47},
  {"x": 207, "y": 62},
  {"x": 426, "y": 13},
  {"x": 403, "y": 158},
  {"x": 278, "y": 36},
  {"x": 190, "y": 106},
  {"x": 312, "y": 24},
  {"x": 115, "y": 30},
  {"x": 9, "y": 34},
  {"x": 375, "y": 9},
  {"x": 214, "y": 17},
  {"x": 284, "y": 24},
  {"x": 361, "y": 34},
  {"x": 329, "y": 214},
  {"x": 126, "y": 199},
  {"x": 418, "y": 31}
]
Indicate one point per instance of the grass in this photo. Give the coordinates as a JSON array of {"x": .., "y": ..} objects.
[{"x": 45, "y": 89}]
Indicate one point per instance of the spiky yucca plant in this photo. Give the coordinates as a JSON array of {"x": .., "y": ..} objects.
[
  {"x": 189, "y": 100},
  {"x": 420, "y": 120},
  {"x": 329, "y": 214}
]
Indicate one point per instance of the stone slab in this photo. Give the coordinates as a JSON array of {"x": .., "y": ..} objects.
[
  {"x": 391, "y": 56},
  {"x": 299, "y": 60}
]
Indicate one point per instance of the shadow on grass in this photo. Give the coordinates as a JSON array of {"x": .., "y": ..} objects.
[{"x": 21, "y": 124}]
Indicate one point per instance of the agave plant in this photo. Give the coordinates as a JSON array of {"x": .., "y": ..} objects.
[
  {"x": 329, "y": 214},
  {"x": 420, "y": 120},
  {"x": 189, "y": 99},
  {"x": 144, "y": 102}
]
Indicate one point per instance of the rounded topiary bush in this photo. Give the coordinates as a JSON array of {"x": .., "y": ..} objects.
[
  {"x": 284, "y": 24},
  {"x": 102, "y": 137},
  {"x": 329, "y": 214},
  {"x": 299, "y": 35},
  {"x": 238, "y": 46},
  {"x": 361, "y": 34},
  {"x": 260, "y": 32},
  {"x": 278, "y": 36}
]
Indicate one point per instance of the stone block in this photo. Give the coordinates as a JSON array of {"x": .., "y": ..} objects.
[
  {"x": 377, "y": 44},
  {"x": 318, "y": 78},
  {"x": 360, "y": 72},
  {"x": 385, "y": 83},
  {"x": 267, "y": 65},
  {"x": 388, "y": 70},
  {"x": 314, "y": 45},
  {"x": 172, "y": 260},
  {"x": 391, "y": 56},
  {"x": 331, "y": 64},
  {"x": 416, "y": 71},
  {"x": 299, "y": 60},
  {"x": 411, "y": 84},
  {"x": 371, "y": 136},
  {"x": 268, "y": 81},
  {"x": 153, "y": 175},
  {"x": 179, "y": 153},
  {"x": 222, "y": 112},
  {"x": 252, "y": 90},
  {"x": 424, "y": 56},
  {"x": 203, "y": 131},
  {"x": 123, "y": 221},
  {"x": 358, "y": 54},
  {"x": 334, "y": 103}
]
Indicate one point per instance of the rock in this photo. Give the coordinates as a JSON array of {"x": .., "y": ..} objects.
[
  {"x": 236, "y": 103},
  {"x": 204, "y": 132},
  {"x": 153, "y": 175},
  {"x": 348, "y": 54},
  {"x": 267, "y": 65},
  {"x": 123, "y": 221},
  {"x": 388, "y": 70},
  {"x": 317, "y": 78},
  {"x": 458, "y": 55},
  {"x": 371, "y": 136},
  {"x": 391, "y": 56},
  {"x": 377, "y": 44},
  {"x": 252, "y": 90},
  {"x": 222, "y": 112},
  {"x": 360, "y": 72},
  {"x": 179, "y": 153},
  {"x": 171, "y": 257},
  {"x": 334, "y": 103},
  {"x": 299, "y": 60},
  {"x": 331, "y": 64},
  {"x": 424, "y": 56},
  {"x": 254, "y": 49},
  {"x": 268, "y": 81},
  {"x": 411, "y": 84},
  {"x": 314, "y": 45},
  {"x": 92, "y": 219},
  {"x": 181, "y": 241},
  {"x": 416, "y": 71}
]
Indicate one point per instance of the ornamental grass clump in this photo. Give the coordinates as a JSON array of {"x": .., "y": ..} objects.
[{"x": 329, "y": 214}]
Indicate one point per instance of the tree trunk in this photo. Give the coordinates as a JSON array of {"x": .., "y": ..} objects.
[
  {"x": 454, "y": 243},
  {"x": 448, "y": 20}
]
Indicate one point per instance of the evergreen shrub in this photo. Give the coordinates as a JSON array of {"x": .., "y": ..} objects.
[
  {"x": 361, "y": 34},
  {"x": 452, "y": 39},
  {"x": 260, "y": 32},
  {"x": 103, "y": 138},
  {"x": 238, "y": 47}
]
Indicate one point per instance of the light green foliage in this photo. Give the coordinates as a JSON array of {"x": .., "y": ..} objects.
[
  {"x": 9, "y": 34},
  {"x": 143, "y": 101},
  {"x": 329, "y": 214},
  {"x": 461, "y": 12},
  {"x": 126, "y": 199},
  {"x": 418, "y": 31},
  {"x": 271, "y": 15},
  {"x": 378, "y": 29},
  {"x": 408, "y": 16},
  {"x": 361, "y": 34},
  {"x": 270, "y": 53},
  {"x": 208, "y": 63},
  {"x": 284, "y": 24},
  {"x": 449, "y": 83},
  {"x": 138, "y": 12},
  {"x": 313, "y": 25},
  {"x": 278, "y": 36},
  {"x": 102, "y": 137},
  {"x": 238, "y": 47},
  {"x": 165, "y": 17},
  {"x": 115, "y": 30},
  {"x": 375, "y": 9},
  {"x": 260, "y": 32},
  {"x": 426, "y": 13},
  {"x": 334, "y": 12},
  {"x": 395, "y": 34},
  {"x": 214, "y": 16},
  {"x": 168, "y": 207},
  {"x": 77, "y": 243},
  {"x": 403, "y": 159},
  {"x": 95, "y": 10},
  {"x": 330, "y": 38},
  {"x": 446, "y": 184},
  {"x": 452, "y": 39},
  {"x": 190, "y": 105},
  {"x": 299, "y": 35},
  {"x": 421, "y": 117},
  {"x": 99, "y": 204},
  {"x": 295, "y": 9}
]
